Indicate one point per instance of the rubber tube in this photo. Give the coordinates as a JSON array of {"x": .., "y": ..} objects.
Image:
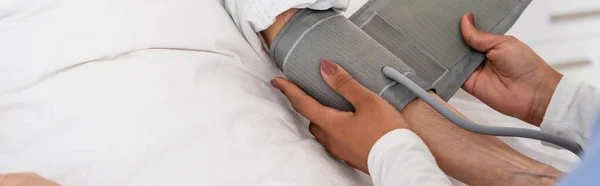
[{"x": 393, "y": 74}]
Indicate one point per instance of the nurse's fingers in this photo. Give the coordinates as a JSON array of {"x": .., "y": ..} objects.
[
  {"x": 308, "y": 107},
  {"x": 317, "y": 132},
  {"x": 343, "y": 83},
  {"x": 321, "y": 137}
]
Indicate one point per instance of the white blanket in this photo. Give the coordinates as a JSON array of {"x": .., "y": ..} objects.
[{"x": 152, "y": 92}]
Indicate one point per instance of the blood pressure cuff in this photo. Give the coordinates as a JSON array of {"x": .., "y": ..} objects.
[{"x": 421, "y": 39}]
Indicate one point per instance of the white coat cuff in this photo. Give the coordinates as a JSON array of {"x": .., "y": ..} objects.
[
  {"x": 558, "y": 110},
  {"x": 401, "y": 157}
]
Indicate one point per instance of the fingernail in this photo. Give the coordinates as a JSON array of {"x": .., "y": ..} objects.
[
  {"x": 471, "y": 18},
  {"x": 275, "y": 84},
  {"x": 328, "y": 67}
]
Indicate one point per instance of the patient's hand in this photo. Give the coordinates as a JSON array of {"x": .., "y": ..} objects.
[
  {"x": 346, "y": 135},
  {"x": 24, "y": 179}
]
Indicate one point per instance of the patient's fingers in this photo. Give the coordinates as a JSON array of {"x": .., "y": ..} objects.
[
  {"x": 25, "y": 179},
  {"x": 306, "y": 105},
  {"x": 479, "y": 40},
  {"x": 341, "y": 81}
]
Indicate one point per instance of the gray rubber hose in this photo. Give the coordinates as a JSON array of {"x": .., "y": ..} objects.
[{"x": 476, "y": 128}]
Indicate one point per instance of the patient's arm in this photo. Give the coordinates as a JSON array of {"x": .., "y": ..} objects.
[
  {"x": 471, "y": 158},
  {"x": 270, "y": 33}
]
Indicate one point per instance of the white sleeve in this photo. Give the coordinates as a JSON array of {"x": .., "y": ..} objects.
[
  {"x": 253, "y": 16},
  {"x": 260, "y": 14},
  {"x": 400, "y": 157},
  {"x": 572, "y": 111}
]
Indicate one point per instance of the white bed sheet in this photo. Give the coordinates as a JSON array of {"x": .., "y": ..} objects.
[
  {"x": 148, "y": 92},
  {"x": 155, "y": 92}
]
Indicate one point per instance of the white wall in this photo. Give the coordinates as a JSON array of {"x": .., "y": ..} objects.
[{"x": 566, "y": 33}]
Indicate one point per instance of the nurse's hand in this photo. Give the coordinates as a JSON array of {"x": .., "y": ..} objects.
[
  {"x": 24, "y": 179},
  {"x": 514, "y": 80},
  {"x": 346, "y": 135}
]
